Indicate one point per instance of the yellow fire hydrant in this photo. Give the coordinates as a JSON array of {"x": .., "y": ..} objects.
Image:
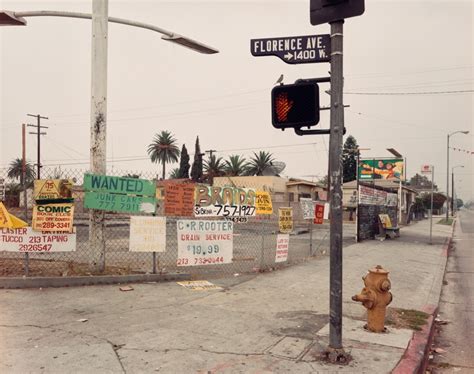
[{"x": 375, "y": 296}]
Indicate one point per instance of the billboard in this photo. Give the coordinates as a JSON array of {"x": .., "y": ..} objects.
[{"x": 387, "y": 168}]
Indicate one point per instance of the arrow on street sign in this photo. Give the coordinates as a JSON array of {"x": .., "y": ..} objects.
[{"x": 294, "y": 49}]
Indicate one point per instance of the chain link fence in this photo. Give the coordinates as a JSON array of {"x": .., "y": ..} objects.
[{"x": 254, "y": 242}]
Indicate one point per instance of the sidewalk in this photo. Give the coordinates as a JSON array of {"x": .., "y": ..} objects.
[{"x": 267, "y": 323}]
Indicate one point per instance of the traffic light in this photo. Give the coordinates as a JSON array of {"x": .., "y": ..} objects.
[
  {"x": 324, "y": 11},
  {"x": 295, "y": 105}
]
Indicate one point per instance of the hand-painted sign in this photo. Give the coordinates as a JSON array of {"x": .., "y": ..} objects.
[
  {"x": 372, "y": 196},
  {"x": 319, "y": 214},
  {"x": 8, "y": 220},
  {"x": 307, "y": 207},
  {"x": 391, "y": 169},
  {"x": 294, "y": 49},
  {"x": 179, "y": 199},
  {"x": 53, "y": 189},
  {"x": 147, "y": 234},
  {"x": 263, "y": 202},
  {"x": 282, "y": 246},
  {"x": 285, "y": 220},
  {"x": 224, "y": 201},
  {"x": 53, "y": 217},
  {"x": 119, "y": 194},
  {"x": 203, "y": 242},
  {"x": 27, "y": 240}
]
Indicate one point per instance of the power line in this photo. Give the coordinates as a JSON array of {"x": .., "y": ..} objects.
[{"x": 408, "y": 93}]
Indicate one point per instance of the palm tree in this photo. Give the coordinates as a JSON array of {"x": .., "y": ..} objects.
[
  {"x": 259, "y": 162},
  {"x": 214, "y": 167},
  {"x": 15, "y": 171},
  {"x": 163, "y": 149},
  {"x": 236, "y": 165},
  {"x": 175, "y": 173}
]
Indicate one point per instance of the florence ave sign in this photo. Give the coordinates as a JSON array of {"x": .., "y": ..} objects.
[{"x": 294, "y": 49}]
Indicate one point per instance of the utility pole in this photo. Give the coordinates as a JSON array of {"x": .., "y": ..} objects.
[
  {"x": 335, "y": 175},
  {"x": 210, "y": 151},
  {"x": 38, "y": 133},
  {"x": 100, "y": 9},
  {"x": 25, "y": 194},
  {"x": 431, "y": 204}
]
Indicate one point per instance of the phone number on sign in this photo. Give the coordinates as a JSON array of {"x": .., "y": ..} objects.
[
  {"x": 35, "y": 247},
  {"x": 225, "y": 210},
  {"x": 199, "y": 261}
]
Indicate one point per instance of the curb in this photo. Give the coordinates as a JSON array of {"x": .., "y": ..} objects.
[
  {"x": 416, "y": 356},
  {"x": 44, "y": 282}
]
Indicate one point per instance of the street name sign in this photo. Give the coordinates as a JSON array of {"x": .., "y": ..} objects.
[{"x": 294, "y": 49}]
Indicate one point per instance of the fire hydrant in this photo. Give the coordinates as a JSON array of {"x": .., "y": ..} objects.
[{"x": 375, "y": 296}]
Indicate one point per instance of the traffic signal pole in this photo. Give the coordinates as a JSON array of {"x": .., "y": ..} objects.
[{"x": 335, "y": 175}]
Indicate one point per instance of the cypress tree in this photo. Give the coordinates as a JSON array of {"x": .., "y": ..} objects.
[{"x": 184, "y": 163}]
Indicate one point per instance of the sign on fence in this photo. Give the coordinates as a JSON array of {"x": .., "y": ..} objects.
[
  {"x": 2, "y": 189},
  {"x": 319, "y": 214},
  {"x": 224, "y": 202},
  {"x": 53, "y": 217},
  {"x": 283, "y": 241},
  {"x": 8, "y": 220},
  {"x": 391, "y": 169},
  {"x": 179, "y": 199},
  {"x": 285, "y": 220},
  {"x": 147, "y": 234},
  {"x": 263, "y": 202},
  {"x": 27, "y": 240},
  {"x": 203, "y": 242},
  {"x": 53, "y": 189},
  {"x": 307, "y": 207},
  {"x": 119, "y": 194}
]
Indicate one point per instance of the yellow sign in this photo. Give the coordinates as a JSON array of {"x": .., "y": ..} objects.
[
  {"x": 53, "y": 189},
  {"x": 386, "y": 221},
  {"x": 8, "y": 220},
  {"x": 285, "y": 220},
  {"x": 53, "y": 217},
  {"x": 263, "y": 202}
]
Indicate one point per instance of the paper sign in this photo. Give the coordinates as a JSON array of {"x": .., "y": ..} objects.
[
  {"x": 179, "y": 199},
  {"x": 147, "y": 234},
  {"x": 203, "y": 242},
  {"x": 27, "y": 240},
  {"x": 199, "y": 285},
  {"x": 53, "y": 189},
  {"x": 53, "y": 217},
  {"x": 263, "y": 202},
  {"x": 224, "y": 202},
  {"x": 283, "y": 241},
  {"x": 386, "y": 221},
  {"x": 307, "y": 207},
  {"x": 5, "y": 220},
  {"x": 285, "y": 220},
  {"x": 319, "y": 214}
]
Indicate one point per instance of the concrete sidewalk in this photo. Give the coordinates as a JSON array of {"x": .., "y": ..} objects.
[{"x": 274, "y": 322}]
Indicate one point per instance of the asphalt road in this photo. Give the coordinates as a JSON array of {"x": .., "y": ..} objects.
[{"x": 457, "y": 303}]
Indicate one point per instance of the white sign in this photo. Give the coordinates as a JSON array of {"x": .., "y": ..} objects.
[
  {"x": 27, "y": 240},
  {"x": 307, "y": 207},
  {"x": 283, "y": 241},
  {"x": 203, "y": 242},
  {"x": 2, "y": 189},
  {"x": 147, "y": 234},
  {"x": 392, "y": 199},
  {"x": 426, "y": 169}
]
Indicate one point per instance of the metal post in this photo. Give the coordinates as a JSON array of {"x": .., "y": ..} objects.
[
  {"x": 154, "y": 262},
  {"x": 25, "y": 194},
  {"x": 431, "y": 205},
  {"x": 452, "y": 193},
  {"x": 98, "y": 125},
  {"x": 335, "y": 152},
  {"x": 447, "y": 181},
  {"x": 262, "y": 252},
  {"x": 311, "y": 236},
  {"x": 357, "y": 196}
]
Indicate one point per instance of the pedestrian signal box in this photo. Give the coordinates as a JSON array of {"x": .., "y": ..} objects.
[{"x": 295, "y": 105}]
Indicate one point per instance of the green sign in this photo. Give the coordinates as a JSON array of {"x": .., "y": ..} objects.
[
  {"x": 390, "y": 169},
  {"x": 127, "y": 186},
  {"x": 119, "y": 203}
]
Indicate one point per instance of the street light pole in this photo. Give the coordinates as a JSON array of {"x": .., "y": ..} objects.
[{"x": 447, "y": 170}]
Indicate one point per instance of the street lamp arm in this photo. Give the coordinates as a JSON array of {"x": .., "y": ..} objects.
[{"x": 167, "y": 35}]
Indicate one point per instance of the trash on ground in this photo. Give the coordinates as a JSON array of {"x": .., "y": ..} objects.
[
  {"x": 126, "y": 288},
  {"x": 199, "y": 285},
  {"x": 82, "y": 320}
]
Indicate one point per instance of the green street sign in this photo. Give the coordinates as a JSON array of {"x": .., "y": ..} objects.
[
  {"x": 119, "y": 185},
  {"x": 119, "y": 203}
]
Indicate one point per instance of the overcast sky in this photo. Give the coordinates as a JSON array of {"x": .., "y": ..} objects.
[{"x": 395, "y": 47}]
